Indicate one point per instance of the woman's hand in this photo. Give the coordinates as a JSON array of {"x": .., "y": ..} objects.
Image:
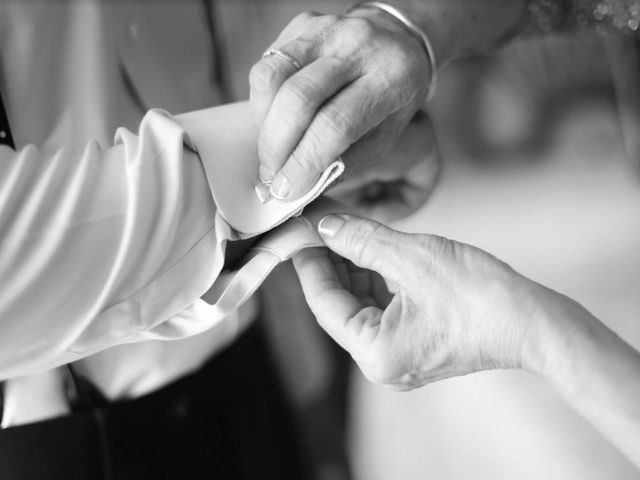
[
  {"x": 450, "y": 309},
  {"x": 362, "y": 78}
]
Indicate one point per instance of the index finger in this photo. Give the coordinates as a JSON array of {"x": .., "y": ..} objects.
[{"x": 333, "y": 306}]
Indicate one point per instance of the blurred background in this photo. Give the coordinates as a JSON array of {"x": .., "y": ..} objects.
[{"x": 540, "y": 148}]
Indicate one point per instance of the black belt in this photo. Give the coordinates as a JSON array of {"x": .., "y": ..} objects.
[{"x": 229, "y": 420}]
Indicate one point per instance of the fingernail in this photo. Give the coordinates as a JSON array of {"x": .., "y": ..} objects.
[
  {"x": 264, "y": 174},
  {"x": 330, "y": 225},
  {"x": 262, "y": 192},
  {"x": 280, "y": 187}
]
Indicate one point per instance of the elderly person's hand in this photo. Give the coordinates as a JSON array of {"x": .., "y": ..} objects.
[
  {"x": 412, "y": 309},
  {"x": 452, "y": 309},
  {"x": 362, "y": 78}
]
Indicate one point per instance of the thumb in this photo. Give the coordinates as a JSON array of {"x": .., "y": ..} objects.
[{"x": 366, "y": 243}]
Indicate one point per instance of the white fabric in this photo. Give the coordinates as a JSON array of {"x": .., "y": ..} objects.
[
  {"x": 111, "y": 243},
  {"x": 73, "y": 72},
  {"x": 232, "y": 289},
  {"x": 230, "y": 159},
  {"x": 24, "y": 398},
  {"x": 133, "y": 269}
]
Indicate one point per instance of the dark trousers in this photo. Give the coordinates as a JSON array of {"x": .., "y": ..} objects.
[{"x": 229, "y": 420}]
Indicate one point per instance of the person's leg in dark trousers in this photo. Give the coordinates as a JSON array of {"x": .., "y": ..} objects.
[{"x": 229, "y": 420}]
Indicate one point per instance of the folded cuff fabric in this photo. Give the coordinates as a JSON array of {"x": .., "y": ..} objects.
[{"x": 227, "y": 143}]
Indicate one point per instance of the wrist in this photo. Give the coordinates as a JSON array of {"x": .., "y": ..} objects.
[
  {"x": 458, "y": 28},
  {"x": 379, "y": 18},
  {"x": 560, "y": 328},
  {"x": 411, "y": 31},
  {"x": 434, "y": 21},
  {"x": 425, "y": 20}
]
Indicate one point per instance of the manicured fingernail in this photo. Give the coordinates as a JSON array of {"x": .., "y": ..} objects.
[
  {"x": 330, "y": 225},
  {"x": 280, "y": 187},
  {"x": 264, "y": 174}
]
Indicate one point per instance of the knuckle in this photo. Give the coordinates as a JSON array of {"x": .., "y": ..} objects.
[
  {"x": 301, "y": 92},
  {"x": 339, "y": 123},
  {"x": 368, "y": 247},
  {"x": 304, "y": 19},
  {"x": 433, "y": 250},
  {"x": 325, "y": 23},
  {"x": 303, "y": 45},
  {"x": 263, "y": 76},
  {"x": 306, "y": 160},
  {"x": 379, "y": 369},
  {"x": 331, "y": 19},
  {"x": 305, "y": 16},
  {"x": 360, "y": 28}
]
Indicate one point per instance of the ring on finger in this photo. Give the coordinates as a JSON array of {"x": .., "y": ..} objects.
[{"x": 282, "y": 54}]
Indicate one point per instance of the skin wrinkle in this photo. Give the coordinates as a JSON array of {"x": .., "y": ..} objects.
[
  {"x": 367, "y": 246},
  {"x": 343, "y": 275},
  {"x": 367, "y": 150},
  {"x": 390, "y": 360},
  {"x": 310, "y": 146},
  {"x": 331, "y": 280},
  {"x": 341, "y": 124},
  {"x": 295, "y": 162},
  {"x": 341, "y": 37},
  {"x": 305, "y": 47},
  {"x": 399, "y": 55},
  {"x": 302, "y": 89}
]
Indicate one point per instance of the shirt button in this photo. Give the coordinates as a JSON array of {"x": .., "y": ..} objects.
[
  {"x": 3, "y": 134},
  {"x": 134, "y": 31}
]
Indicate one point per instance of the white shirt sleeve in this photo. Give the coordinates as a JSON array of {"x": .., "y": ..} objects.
[{"x": 98, "y": 247}]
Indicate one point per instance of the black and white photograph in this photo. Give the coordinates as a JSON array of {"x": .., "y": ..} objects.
[{"x": 319, "y": 240}]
